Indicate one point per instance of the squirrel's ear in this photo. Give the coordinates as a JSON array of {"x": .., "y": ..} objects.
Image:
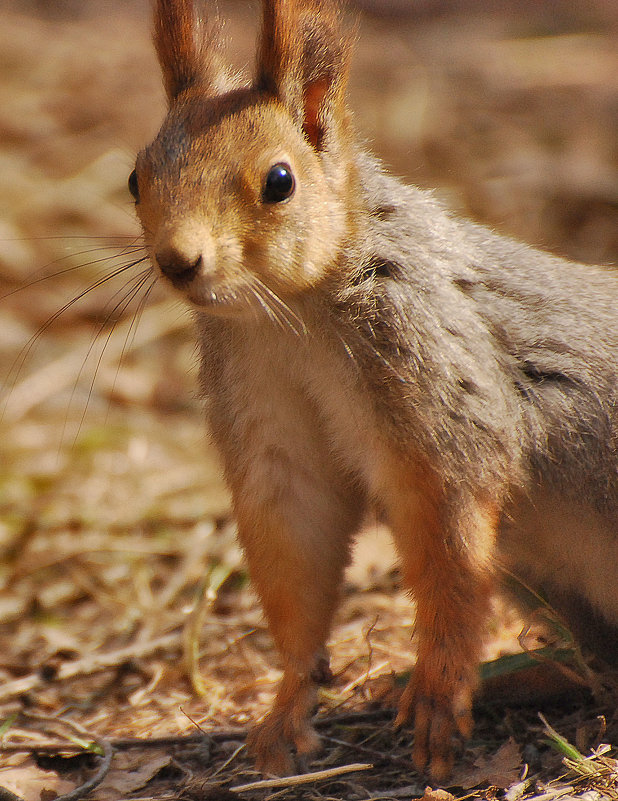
[
  {"x": 187, "y": 47},
  {"x": 303, "y": 61}
]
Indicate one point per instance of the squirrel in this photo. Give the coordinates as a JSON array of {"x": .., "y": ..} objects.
[{"x": 362, "y": 348}]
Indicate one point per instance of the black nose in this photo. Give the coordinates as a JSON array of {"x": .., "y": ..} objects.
[{"x": 180, "y": 268}]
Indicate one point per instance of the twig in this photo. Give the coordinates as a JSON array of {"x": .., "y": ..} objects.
[
  {"x": 367, "y": 674},
  {"x": 410, "y": 791},
  {"x": 370, "y": 752},
  {"x": 124, "y": 743},
  {"x": 90, "y": 665},
  {"x": 106, "y": 756},
  {"x": 229, "y": 760},
  {"x": 95, "y": 781},
  {"x": 303, "y": 778},
  {"x": 353, "y": 717},
  {"x": 370, "y": 673},
  {"x": 216, "y": 735},
  {"x": 552, "y": 794}
]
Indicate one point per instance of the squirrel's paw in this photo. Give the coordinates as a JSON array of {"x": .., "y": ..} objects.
[
  {"x": 439, "y": 713},
  {"x": 274, "y": 741}
]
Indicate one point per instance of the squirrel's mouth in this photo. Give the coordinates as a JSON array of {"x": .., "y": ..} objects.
[
  {"x": 228, "y": 296},
  {"x": 219, "y": 300},
  {"x": 208, "y": 298},
  {"x": 199, "y": 290}
]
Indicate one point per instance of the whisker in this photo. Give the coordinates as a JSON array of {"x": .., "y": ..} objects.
[
  {"x": 22, "y": 357},
  {"x": 63, "y": 237},
  {"x": 258, "y": 292},
  {"x": 60, "y": 373},
  {"x": 368, "y": 343},
  {"x": 129, "y": 250},
  {"x": 135, "y": 285},
  {"x": 288, "y": 315},
  {"x": 387, "y": 364},
  {"x": 348, "y": 350},
  {"x": 132, "y": 331},
  {"x": 130, "y": 337}
]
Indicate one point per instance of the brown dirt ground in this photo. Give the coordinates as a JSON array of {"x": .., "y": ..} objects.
[{"x": 115, "y": 528}]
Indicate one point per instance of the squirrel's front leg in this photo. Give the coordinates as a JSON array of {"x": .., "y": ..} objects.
[
  {"x": 446, "y": 555},
  {"x": 296, "y": 540}
]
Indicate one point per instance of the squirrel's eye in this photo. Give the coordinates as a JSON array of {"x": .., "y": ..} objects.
[
  {"x": 279, "y": 184},
  {"x": 133, "y": 185}
]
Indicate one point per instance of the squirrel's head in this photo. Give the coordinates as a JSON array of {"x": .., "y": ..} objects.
[{"x": 245, "y": 192}]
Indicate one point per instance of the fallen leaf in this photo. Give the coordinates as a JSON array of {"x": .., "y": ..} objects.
[
  {"x": 437, "y": 795},
  {"x": 130, "y": 771},
  {"x": 501, "y": 769},
  {"x": 30, "y": 782}
]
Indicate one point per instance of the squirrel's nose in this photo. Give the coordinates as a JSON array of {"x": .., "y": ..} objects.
[{"x": 178, "y": 266}]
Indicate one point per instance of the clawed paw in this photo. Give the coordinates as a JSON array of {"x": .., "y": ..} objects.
[
  {"x": 438, "y": 716},
  {"x": 276, "y": 742}
]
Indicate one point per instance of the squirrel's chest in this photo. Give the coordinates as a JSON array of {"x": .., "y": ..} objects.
[{"x": 295, "y": 400}]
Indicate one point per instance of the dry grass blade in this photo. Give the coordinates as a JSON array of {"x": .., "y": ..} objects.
[
  {"x": 303, "y": 778},
  {"x": 597, "y": 770},
  {"x": 205, "y": 597}
]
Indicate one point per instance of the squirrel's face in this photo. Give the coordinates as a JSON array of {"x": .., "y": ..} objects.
[{"x": 236, "y": 204}]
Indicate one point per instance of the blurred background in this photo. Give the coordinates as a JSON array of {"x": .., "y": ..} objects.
[{"x": 112, "y": 509}]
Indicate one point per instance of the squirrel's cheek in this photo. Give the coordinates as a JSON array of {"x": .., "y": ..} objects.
[{"x": 327, "y": 230}]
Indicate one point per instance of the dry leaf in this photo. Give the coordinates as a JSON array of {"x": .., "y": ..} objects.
[
  {"x": 130, "y": 771},
  {"x": 30, "y": 782},
  {"x": 499, "y": 770},
  {"x": 437, "y": 795}
]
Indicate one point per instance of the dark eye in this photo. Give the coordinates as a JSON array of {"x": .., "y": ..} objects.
[
  {"x": 134, "y": 186},
  {"x": 279, "y": 184}
]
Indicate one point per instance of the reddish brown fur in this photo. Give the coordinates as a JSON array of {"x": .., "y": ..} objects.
[
  {"x": 451, "y": 586},
  {"x": 306, "y": 73},
  {"x": 188, "y": 49}
]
